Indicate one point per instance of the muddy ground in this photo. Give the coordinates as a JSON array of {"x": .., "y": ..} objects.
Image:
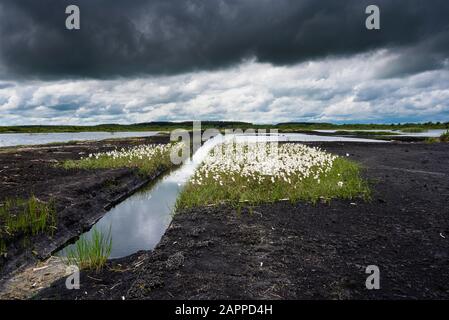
[
  {"x": 81, "y": 196},
  {"x": 303, "y": 251}
]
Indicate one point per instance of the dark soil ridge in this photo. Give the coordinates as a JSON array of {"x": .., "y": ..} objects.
[
  {"x": 302, "y": 251},
  {"x": 82, "y": 197}
]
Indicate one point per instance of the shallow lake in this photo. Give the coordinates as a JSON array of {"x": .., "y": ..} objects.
[
  {"x": 139, "y": 222},
  {"x": 434, "y": 133},
  {"x": 19, "y": 139}
]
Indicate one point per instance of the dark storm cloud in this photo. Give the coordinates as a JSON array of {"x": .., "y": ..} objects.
[{"x": 132, "y": 38}]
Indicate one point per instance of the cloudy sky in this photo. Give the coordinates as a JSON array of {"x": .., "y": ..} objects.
[{"x": 264, "y": 61}]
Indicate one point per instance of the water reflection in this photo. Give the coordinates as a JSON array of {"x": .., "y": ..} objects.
[{"x": 139, "y": 222}]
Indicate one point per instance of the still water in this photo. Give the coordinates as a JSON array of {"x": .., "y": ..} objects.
[
  {"x": 434, "y": 133},
  {"x": 27, "y": 139},
  {"x": 139, "y": 222}
]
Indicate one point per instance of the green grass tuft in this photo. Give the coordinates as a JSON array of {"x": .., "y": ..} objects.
[
  {"x": 236, "y": 192},
  {"x": 445, "y": 137},
  {"x": 146, "y": 163},
  {"x": 414, "y": 130},
  {"x": 432, "y": 140},
  {"x": 30, "y": 216},
  {"x": 3, "y": 248},
  {"x": 90, "y": 253},
  {"x": 26, "y": 217}
]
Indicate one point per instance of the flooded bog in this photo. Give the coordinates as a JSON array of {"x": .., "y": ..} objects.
[{"x": 139, "y": 222}]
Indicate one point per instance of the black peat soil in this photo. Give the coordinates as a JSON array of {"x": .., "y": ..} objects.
[
  {"x": 81, "y": 196},
  {"x": 302, "y": 251}
]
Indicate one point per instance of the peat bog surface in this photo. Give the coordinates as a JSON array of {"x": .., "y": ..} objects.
[{"x": 302, "y": 251}]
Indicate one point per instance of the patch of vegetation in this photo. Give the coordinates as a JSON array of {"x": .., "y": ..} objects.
[
  {"x": 3, "y": 248},
  {"x": 90, "y": 253},
  {"x": 30, "y": 216},
  {"x": 445, "y": 137},
  {"x": 414, "y": 130},
  {"x": 169, "y": 126},
  {"x": 432, "y": 140},
  {"x": 320, "y": 181},
  {"x": 148, "y": 126},
  {"x": 27, "y": 217},
  {"x": 148, "y": 159}
]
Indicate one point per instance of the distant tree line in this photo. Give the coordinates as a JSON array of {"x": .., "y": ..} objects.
[{"x": 168, "y": 126}]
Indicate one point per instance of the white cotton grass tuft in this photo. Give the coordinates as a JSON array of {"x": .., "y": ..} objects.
[
  {"x": 149, "y": 159},
  {"x": 255, "y": 173},
  {"x": 140, "y": 152},
  {"x": 260, "y": 163}
]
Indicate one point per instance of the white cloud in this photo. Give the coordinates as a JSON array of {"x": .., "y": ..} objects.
[{"x": 345, "y": 89}]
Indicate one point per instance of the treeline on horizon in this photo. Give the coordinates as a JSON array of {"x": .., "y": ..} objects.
[{"x": 168, "y": 126}]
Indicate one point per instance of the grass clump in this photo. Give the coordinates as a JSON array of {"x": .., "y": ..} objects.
[
  {"x": 25, "y": 217},
  {"x": 297, "y": 172},
  {"x": 445, "y": 137},
  {"x": 414, "y": 130},
  {"x": 148, "y": 159},
  {"x": 90, "y": 253},
  {"x": 432, "y": 140},
  {"x": 28, "y": 216},
  {"x": 3, "y": 248}
]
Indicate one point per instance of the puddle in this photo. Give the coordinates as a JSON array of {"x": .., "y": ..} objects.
[{"x": 139, "y": 222}]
